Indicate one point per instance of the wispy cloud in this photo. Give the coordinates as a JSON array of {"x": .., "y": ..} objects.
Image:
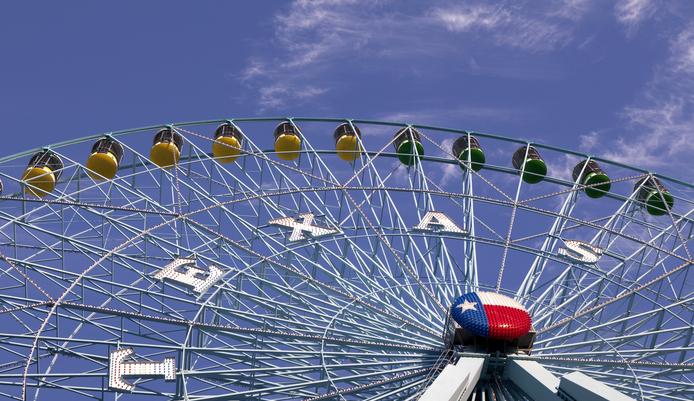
[
  {"x": 307, "y": 35},
  {"x": 314, "y": 40},
  {"x": 589, "y": 141},
  {"x": 663, "y": 134},
  {"x": 277, "y": 93},
  {"x": 448, "y": 171},
  {"x": 313, "y": 31},
  {"x": 683, "y": 53},
  {"x": 630, "y": 13},
  {"x": 255, "y": 68},
  {"x": 536, "y": 28},
  {"x": 570, "y": 9},
  {"x": 461, "y": 113},
  {"x": 466, "y": 18},
  {"x": 661, "y": 122}
]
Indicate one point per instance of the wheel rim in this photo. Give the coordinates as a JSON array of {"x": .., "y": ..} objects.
[{"x": 355, "y": 315}]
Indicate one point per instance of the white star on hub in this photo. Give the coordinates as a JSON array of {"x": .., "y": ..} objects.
[{"x": 467, "y": 305}]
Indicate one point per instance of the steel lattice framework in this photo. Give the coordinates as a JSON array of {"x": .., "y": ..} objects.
[{"x": 357, "y": 314}]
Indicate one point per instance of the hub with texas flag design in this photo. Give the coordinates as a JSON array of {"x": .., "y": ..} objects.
[{"x": 491, "y": 315}]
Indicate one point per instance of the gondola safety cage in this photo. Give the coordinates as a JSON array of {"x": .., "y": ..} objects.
[
  {"x": 287, "y": 141},
  {"x": 42, "y": 173},
  {"x": 655, "y": 197},
  {"x": 528, "y": 160},
  {"x": 468, "y": 147},
  {"x": 408, "y": 145},
  {"x": 347, "y": 145},
  {"x": 166, "y": 150},
  {"x": 103, "y": 161},
  {"x": 589, "y": 173},
  {"x": 227, "y": 143}
]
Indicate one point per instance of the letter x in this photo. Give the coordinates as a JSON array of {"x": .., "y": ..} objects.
[{"x": 299, "y": 228}]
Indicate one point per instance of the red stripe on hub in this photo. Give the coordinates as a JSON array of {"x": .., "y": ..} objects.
[{"x": 507, "y": 323}]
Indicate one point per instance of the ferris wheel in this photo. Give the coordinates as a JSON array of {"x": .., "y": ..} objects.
[{"x": 338, "y": 259}]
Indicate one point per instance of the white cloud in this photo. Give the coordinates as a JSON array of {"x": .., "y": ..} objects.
[
  {"x": 662, "y": 132},
  {"x": 631, "y": 13},
  {"x": 278, "y": 94},
  {"x": 530, "y": 27},
  {"x": 307, "y": 35},
  {"x": 254, "y": 69},
  {"x": 434, "y": 116},
  {"x": 661, "y": 122},
  {"x": 465, "y": 18},
  {"x": 448, "y": 171},
  {"x": 587, "y": 142},
  {"x": 535, "y": 35},
  {"x": 571, "y": 9},
  {"x": 683, "y": 52},
  {"x": 312, "y": 39},
  {"x": 312, "y": 30}
]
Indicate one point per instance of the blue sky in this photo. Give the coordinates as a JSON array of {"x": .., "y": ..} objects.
[{"x": 615, "y": 79}]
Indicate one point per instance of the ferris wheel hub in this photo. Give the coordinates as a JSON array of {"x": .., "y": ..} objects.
[{"x": 492, "y": 315}]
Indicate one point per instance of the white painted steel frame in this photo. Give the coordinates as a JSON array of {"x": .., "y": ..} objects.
[{"x": 357, "y": 315}]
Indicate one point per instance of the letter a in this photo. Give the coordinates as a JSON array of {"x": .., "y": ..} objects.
[{"x": 439, "y": 221}]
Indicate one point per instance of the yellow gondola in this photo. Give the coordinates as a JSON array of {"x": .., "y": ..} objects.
[
  {"x": 347, "y": 141},
  {"x": 42, "y": 173},
  {"x": 227, "y": 143},
  {"x": 103, "y": 162},
  {"x": 287, "y": 141},
  {"x": 166, "y": 150}
]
